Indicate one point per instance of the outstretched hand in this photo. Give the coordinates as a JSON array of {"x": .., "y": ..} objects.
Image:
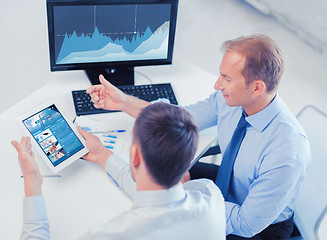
[
  {"x": 32, "y": 176},
  {"x": 97, "y": 152},
  {"x": 106, "y": 95}
]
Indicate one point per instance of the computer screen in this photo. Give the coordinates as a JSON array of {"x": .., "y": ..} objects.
[{"x": 110, "y": 37}]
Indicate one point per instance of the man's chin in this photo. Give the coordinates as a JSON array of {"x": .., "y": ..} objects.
[{"x": 229, "y": 103}]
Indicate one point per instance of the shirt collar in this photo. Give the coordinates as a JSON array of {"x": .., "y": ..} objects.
[
  {"x": 262, "y": 119},
  {"x": 158, "y": 197}
]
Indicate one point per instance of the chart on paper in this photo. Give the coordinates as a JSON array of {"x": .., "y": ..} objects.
[{"x": 114, "y": 138}]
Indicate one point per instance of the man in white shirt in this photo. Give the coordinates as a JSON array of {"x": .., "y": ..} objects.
[{"x": 164, "y": 142}]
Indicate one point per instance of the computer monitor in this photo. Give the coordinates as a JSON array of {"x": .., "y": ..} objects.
[{"x": 110, "y": 37}]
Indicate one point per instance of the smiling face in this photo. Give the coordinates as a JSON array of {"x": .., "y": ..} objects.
[{"x": 232, "y": 83}]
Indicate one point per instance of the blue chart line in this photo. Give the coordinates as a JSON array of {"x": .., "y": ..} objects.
[{"x": 99, "y": 47}]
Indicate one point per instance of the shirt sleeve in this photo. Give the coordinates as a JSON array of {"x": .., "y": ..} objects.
[
  {"x": 205, "y": 112},
  {"x": 120, "y": 173},
  {"x": 205, "y": 186},
  {"x": 35, "y": 220},
  {"x": 279, "y": 178}
]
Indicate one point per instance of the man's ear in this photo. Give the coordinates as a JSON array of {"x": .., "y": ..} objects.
[
  {"x": 135, "y": 156},
  {"x": 258, "y": 87}
]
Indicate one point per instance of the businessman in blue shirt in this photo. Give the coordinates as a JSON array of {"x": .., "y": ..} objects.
[{"x": 273, "y": 157}]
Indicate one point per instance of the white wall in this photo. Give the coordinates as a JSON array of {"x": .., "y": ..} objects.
[
  {"x": 204, "y": 25},
  {"x": 306, "y": 18}
]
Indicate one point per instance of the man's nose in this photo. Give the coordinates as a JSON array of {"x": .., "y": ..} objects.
[{"x": 218, "y": 85}]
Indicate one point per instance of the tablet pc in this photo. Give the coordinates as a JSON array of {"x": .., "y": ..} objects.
[{"x": 55, "y": 138}]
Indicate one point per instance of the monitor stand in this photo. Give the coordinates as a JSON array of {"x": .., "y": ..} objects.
[{"x": 116, "y": 75}]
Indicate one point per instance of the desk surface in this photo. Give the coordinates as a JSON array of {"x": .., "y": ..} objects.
[{"x": 84, "y": 194}]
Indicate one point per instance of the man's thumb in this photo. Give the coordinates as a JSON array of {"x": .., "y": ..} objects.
[
  {"x": 16, "y": 145},
  {"x": 104, "y": 82},
  {"x": 82, "y": 132}
]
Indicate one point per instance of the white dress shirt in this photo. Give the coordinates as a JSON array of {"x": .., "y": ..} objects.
[{"x": 194, "y": 210}]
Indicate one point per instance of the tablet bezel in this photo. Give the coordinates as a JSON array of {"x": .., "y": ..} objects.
[{"x": 69, "y": 160}]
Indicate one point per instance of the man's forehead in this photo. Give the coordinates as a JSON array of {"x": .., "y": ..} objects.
[{"x": 233, "y": 60}]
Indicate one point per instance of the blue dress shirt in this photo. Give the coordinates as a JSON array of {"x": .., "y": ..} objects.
[{"x": 269, "y": 168}]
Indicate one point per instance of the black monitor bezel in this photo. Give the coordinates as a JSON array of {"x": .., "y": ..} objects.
[{"x": 99, "y": 65}]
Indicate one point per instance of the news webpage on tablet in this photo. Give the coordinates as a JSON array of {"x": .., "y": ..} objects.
[{"x": 53, "y": 134}]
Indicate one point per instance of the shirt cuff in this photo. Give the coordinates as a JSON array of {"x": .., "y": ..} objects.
[
  {"x": 229, "y": 208},
  {"x": 34, "y": 209}
]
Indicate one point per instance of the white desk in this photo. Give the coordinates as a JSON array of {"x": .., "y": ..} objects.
[{"x": 84, "y": 194}]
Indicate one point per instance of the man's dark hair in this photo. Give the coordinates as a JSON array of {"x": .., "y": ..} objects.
[{"x": 168, "y": 139}]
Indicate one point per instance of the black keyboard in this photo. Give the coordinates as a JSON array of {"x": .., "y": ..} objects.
[{"x": 84, "y": 105}]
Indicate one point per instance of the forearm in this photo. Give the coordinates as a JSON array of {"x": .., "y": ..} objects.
[
  {"x": 35, "y": 220},
  {"x": 268, "y": 197},
  {"x": 133, "y": 106},
  {"x": 120, "y": 172},
  {"x": 204, "y": 112},
  {"x": 32, "y": 187}
]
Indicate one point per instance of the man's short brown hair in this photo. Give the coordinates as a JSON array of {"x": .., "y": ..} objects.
[
  {"x": 264, "y": 60},
  {"x": 168, "y": 139}
]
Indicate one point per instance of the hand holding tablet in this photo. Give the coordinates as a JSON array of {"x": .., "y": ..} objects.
[{"x": 55, "y": 138}]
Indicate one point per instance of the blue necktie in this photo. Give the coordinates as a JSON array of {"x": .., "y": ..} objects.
[{"x": 227, "y": 163}]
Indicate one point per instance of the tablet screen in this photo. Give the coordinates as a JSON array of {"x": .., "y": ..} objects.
[{"x": 53, "y": 134}]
